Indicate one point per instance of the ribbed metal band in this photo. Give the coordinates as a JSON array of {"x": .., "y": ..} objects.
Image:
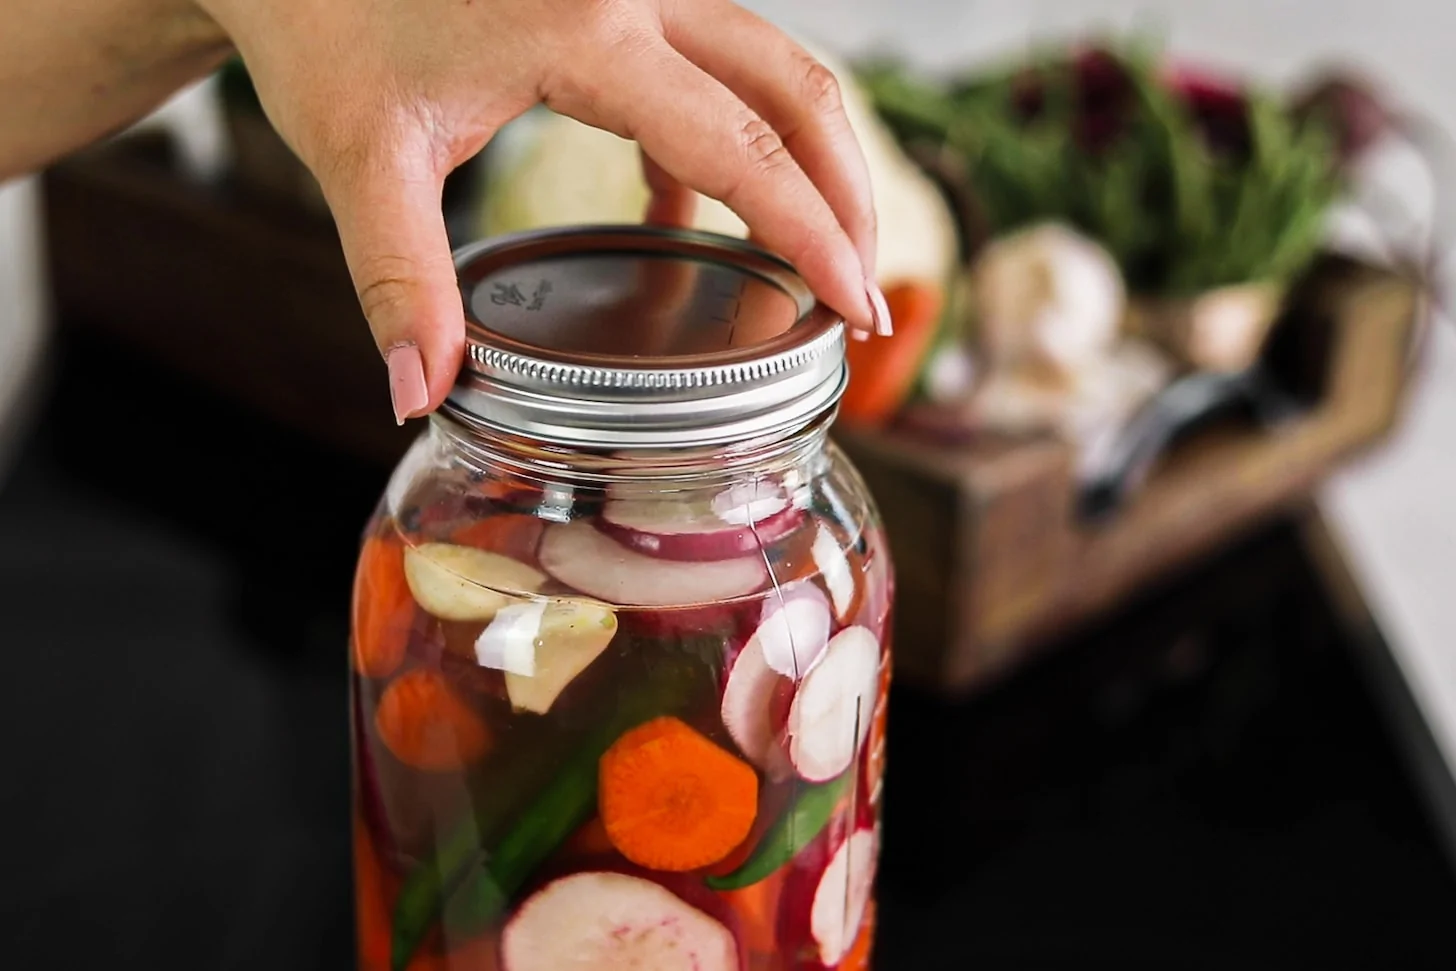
[{"x": 639, "y": 401}]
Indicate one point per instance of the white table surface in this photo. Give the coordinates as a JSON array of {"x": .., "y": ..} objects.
[{"x": 1394, "y": 510}]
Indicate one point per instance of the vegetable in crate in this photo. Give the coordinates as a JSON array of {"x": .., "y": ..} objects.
[{"x": 1193, "y": 183}]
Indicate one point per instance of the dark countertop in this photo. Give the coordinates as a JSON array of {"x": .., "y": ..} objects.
[{"x": 1205, "y": 781}]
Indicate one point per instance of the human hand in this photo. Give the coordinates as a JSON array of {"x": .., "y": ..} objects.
[{"x": 381, "y": 99}]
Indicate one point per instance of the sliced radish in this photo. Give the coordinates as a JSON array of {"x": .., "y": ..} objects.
[
  {"x": 842, "y": 896},
  {"x": 831, "y": 714},
  {"x": 543, "y": 645},
  {"x": 734, "y": 523},
  {"x": 583, "y": 557},
  {"x": 750, "y": 503},
  {"x": 464, "y": 583},
  {"x": 748, "y": 710},
  {"x": 833, "y": 564},
  {"x": 793, "y": 631},
  {"x": 614, "y": 922},
  {"x": 794, "y": 628}
]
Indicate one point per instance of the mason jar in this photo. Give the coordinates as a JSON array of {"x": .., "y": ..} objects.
[{"x": 620, "y": 646}]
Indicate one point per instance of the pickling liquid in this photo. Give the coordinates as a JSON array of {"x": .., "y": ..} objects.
[{"x": 545, "y": 780}]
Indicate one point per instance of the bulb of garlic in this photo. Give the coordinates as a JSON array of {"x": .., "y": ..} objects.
[{"x": 1047, "y": 293}]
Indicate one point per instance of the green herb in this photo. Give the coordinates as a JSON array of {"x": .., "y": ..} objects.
[
  {"x": 1179, "y": 215},
  {"x": 804, "y": 820},
  {"x": 466, "y": 886}
]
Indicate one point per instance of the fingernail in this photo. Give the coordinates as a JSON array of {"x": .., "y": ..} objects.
[
  {"x": 856, "y": 334},
  {"x": 879, "y": 309},
  {"x": 406, "y": 381}
]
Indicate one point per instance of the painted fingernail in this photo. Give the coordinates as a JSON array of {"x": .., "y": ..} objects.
[
  {"x": 407, "y": 388},
  {"x": 879, "y": 309}
]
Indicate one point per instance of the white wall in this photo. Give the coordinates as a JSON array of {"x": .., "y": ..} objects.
[{"x": 1396, "y": 510}]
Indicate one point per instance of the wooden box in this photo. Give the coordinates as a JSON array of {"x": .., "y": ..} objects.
[{"x": 993, "y": 560}]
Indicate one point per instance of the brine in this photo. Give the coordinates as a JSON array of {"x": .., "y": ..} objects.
[{"x": 616, "y": 728}]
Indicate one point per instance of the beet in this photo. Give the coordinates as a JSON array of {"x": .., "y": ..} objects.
[{"x": 1350, "y": 104}]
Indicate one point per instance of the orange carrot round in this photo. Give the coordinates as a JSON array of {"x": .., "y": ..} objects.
[
  {"x": 426, "y": 725},
  {"x": 383, "y": 608},
  {"x": 672, "y": 800},
  {"x": 510, "y": 534},
  {"x": 882, "y": 370}
]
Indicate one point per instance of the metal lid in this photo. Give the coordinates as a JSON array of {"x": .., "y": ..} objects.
[{"x": 641, "y": 337}]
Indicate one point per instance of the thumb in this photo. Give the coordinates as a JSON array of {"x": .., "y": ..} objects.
[{"x": 392, "y": 227}]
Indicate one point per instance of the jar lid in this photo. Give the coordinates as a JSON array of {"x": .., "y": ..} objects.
[{"x": 641, "y": 337}]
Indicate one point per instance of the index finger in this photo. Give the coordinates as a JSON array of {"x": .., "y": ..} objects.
[
  {"x": 705, "y": 137},
  {"x": 796, "y": 94}
]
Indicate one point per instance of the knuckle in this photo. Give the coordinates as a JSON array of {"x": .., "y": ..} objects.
[
  {"x": 762, "y": 148},
  {"x": 762, "y": 153},
  {"x": 819, "y": 88},
  {"x": 386, "y": 286}
]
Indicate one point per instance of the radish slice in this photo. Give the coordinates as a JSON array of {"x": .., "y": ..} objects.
[
  {"x": 748, "y": 710},
  {"x": 794, "y": 629},
  {"x": 543, "y": 645},
  {"x": 464, "y": 583},
  {"x": 614, "y": 922},
  {"x": 831, "y": 714},
  {"x": 581, "y": 556},
  {"x": 834, "y": 568},
  {"x": 734, "y": 523},
  {"x": 842, "y": 896},
  {"x": 743, "y": 505}
]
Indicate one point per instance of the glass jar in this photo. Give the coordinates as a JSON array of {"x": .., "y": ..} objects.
[{"x": 620, "y": 629}]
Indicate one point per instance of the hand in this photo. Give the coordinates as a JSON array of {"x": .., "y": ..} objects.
[{"x": 381, "y": 99}]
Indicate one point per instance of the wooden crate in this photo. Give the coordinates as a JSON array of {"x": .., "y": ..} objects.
[
  {"x": 991, "y": 558},
  {"x": 248, "y": 296}
]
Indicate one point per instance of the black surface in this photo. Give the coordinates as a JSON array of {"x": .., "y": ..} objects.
[{"x": 1203, "y": 783}]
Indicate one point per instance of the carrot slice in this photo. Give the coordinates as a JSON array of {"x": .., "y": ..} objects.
[
  {"x": 673, "y": 800},
  {"x": 510, "y": 534},
  {"x": 383, "y": 608},
  {"x": 882, "y": 371},
  {"x": 426, "y": 725}
]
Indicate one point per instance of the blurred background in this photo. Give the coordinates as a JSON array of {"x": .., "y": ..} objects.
[{"x": 1182, "y": 693}]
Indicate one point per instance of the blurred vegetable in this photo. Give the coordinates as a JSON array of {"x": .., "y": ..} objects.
[
  {"x": 1189, "y": 181},
  {"x": 549, "y": 170},
  {"x": 1048, "y": 295},
  {"x": 882, "y": 372},
  {"x": 1351, "y": 106}
]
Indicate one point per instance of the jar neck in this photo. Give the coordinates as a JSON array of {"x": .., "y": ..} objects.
[{"x": 489, "y": 453}]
